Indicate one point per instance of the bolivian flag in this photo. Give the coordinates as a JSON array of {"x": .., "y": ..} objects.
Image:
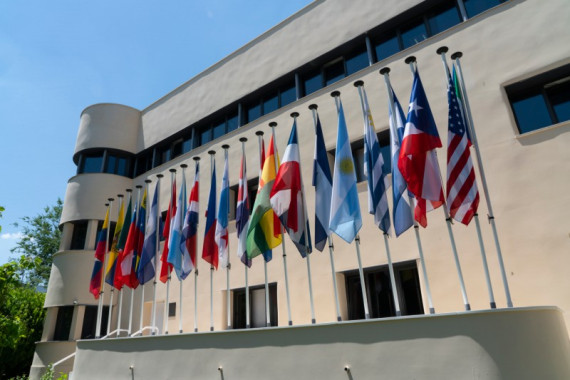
[{"x": 263, "y": 233}]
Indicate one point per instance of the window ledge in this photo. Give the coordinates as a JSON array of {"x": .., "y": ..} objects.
[{"x": 523, "y": 136}]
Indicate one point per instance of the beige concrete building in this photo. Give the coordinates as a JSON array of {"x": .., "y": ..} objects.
[{"x": 516, "y": 63}]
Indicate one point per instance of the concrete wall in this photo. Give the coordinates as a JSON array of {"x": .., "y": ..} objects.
[{"x": 505, "y": 344}]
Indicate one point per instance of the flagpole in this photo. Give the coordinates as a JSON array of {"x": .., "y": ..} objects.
[
  {"x": 156, "y": 254},
  {"x": 385, "y": 73},
  {"x": 132, "y": 290},
  {"x": 272, "y": 125},
  {"x": 148, "y": 181},
  {"x": 120, "y": 290},
  {"x": 120, "y": 196},
  {"x": 456, "y": 57},
  {"x": 411, "y": 60},
  {"x": 197, "y": 163},
  {"x": 267, "y": 314},
  {"x": 211, "y": 153},
  {"x": 364, "y": 103},
  {"x": 180, "y": 330},
  {"x": 225, "y": 147},
  {"x": 294, "y": 115},
  {"x": 101, "y": 292},
  {"x": 166, "y": 304},
  {"x": 336, "y": 96},
  {"x": 247, "y": 321},
  {"x": 313, "y": 108},
  {"x": 441, "y": 51}
]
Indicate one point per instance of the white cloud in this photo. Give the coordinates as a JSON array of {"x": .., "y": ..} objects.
[{"x": 11, "y": 235}]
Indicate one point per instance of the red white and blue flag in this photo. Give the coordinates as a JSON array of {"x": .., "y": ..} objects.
[
  {"x": 190, "y": 228},
  {"x": 166, "y": 267},
  {"x": 242, "y": 214},
  {"x": 210, "y": 248},
  {"x": 287, "y": 197},
  {"x": 418, "y": 161},
  {"x": 100, "y": 251},
  {"x": 222, "y": 222},
  {"x": 462, "y": 193}
]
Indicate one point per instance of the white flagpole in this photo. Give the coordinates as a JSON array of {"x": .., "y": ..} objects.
[
  {"x": 101, "y": 292},
  {"x": 166, "y": 303},
  {"x": 294, "y": 115},
  {"x": 267, "y": 314},
  {"x": 132, "y": 290},
  {"x": 247, "y": 322},
  {"x": 197, "y": 162},
  {"x": 120, "y": 290},
  {"x": 272, "y": 125},
  {"x": 364, "y": 103},
  {"x": 313, "y": 108},
  {"x": 141, "y": 285},
  {"x": 441, "y": 51},
  {"x": 211, "y": 153},
  {"x": 411, "y": 61},
  {"x": 156, "y": 252},
  {"x": 184, "y": 197},
  {"x": 336, "y": 96},
  {"x": 385, "y": 73},
  {"x": 225, "y": 147},
  {"x": 456, "y": 57},
  {"x": 104, "y": 274}
]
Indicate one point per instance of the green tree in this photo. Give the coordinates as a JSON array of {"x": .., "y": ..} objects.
[
  {"x": 21, "y": 319},
  {"x": 40, "y": 241}
]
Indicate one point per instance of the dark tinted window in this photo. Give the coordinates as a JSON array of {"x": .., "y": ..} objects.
[
  {"x": 205, "y": 136},
  {"x": 92, "y": 163},
  {"x": 559, "y": 96},
  {"x": 474, "y": 7},
  {"x": 219, "y": 129},
  {"x": 313, "y": 82},
  {"x": 334, "y": 72},
  {"x": 288, "y": 95},
  {"x": 356, "y": 61},
  {"x": 233, "y": 122},
  {"x": 387, "y": 47},
  {"x": 78, "y": 235},
  {"x": 444, "y": 19},
  {"x": 253, "y": 112},
  {"x": 88, "y": 329},
  {"x": 270, "y": 104},
  {"x": 187, "y": 145},
  {"x": 414, "y": 33},
  {"x": 63, "y": 323},
  {"x": 531, "y": 112},
  {"x": 176, "y": 149}
]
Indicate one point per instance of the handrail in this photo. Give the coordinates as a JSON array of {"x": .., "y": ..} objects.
[
  {"x": 62, "y": 360},
  {"x": 152, "y": 328},
  {"x": 117, "y": 331}
]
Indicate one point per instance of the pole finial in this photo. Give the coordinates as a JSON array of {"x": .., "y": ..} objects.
[
  {"x": 358, "y": 83},
  {"x": 456, "y": 55},
  {"x": 111, "y": 199},
  {"x": 106, "y": 205},
  {"x": 442, "y": 50},
  {"x": 159, "y": 176},
  {"x": 384, "y": 70},
  {"x": 147, "y": 181},
  {"x": 313, "y": 106},
  {"x": 410, "y": 59},
  {"x": 243, "y": 139},
  {"x": 294, "y": 114},
  {"x": 196, "y": 158},
  {"x": 119, "y": 195},
  {"x": 225, "y": 146},
  {"x": 172, "y": 170},
  {"x": 259, "y": 133},
  {"x": 183, "y": 166},
  {"x": 140, "y": 186},
  {"x": 273, "y": 124},
  {"x": 211, "y": 152},
  {"x": 129, "y": 190},
  {"x": 335, "y": 94}
]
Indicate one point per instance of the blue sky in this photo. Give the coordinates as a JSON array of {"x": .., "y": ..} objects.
[{"x": 58, "y": 57}]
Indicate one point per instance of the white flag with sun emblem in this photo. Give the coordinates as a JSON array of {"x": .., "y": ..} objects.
[{"x": 345, "y": 218}]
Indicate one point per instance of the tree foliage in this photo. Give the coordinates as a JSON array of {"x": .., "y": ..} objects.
[
  {"x": 21, "y": 319},
  {"x": 40, "y": 241}
]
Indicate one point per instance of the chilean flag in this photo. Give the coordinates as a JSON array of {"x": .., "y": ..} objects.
[
  {"x": 417, "y": 161},
  {"x": 210, "y": 248},
  {"x": 190, "y": 228}
]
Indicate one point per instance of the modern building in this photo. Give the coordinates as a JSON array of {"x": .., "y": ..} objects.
[{"x": 516, "y": 66}]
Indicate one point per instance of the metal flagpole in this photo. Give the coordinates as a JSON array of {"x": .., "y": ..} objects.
[
  {"x": 156, "y": 253},
  {"x": 364, "y": 103},
  {"x": 385, "y": 73},
  {"x": 148, "y": 181},
  {"x": 267, "y": 314},
  {"x": 272, "y": 125},
  {"x": 197, "y": 162},
  {"x": 294, "y": 115},
  {"x": 132, "y": 290},
  {"x": 411, "y": 61},
  {"x": 120, "y": 196},
  {"x": 166, "y": 303},
  {"x": 456, "y": 57},
  {"x": 184, "y": 197},
  {"x": 336, "y": 96},
  {"x": 225, "y": 147},
  {"x": 101, "y": 292},
  {"x": 313, "y": 108},
  {"x": 441, "y": 51},
  {"x": 120, "y": 290},
  {"x": 212, "y": 163},
  {"x": 247, "y": 322}
]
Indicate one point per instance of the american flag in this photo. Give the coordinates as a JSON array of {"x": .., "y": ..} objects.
[{"x": 462, "y": 193}]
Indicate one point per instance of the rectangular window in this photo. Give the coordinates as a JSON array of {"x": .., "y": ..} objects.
[
  {"x": 117, "y": 165},
  {"x": 63, "y": 323},
  {"x": 172, "y": 309},
  {"x": 78, "y": 235},
  {"x": 334, "y": 72},
  {"x": 205, "y": 136},
  {"x": 387, "y": 47},
  {"x": 358, "y": 154},
  {"x": 187, "y": 145},
  {"x": 443, "y": 19},
  {"x": 414, "y": 33},
  {"x": 92, "y": 163},
  {"x": 219, "y": 129},
  {"x": 270, "y": 104},
  {"x": 233, "y": 122},
  {"x": 474, "y": 7},
  {"x": 542, "y": 100},
  {"x": 257, "y": 311},
  {"x": 252, "y": 186},
  {"x": 356, "y": 61},
  {"x": 88, "y": 329},
  {"x": 144, "y": 163},
  {"x": 288, "y": 95},
  {"x": 379, "y": 291},
  {"x": 253, "y": 112},
  {"x": 312, "y": 82}
]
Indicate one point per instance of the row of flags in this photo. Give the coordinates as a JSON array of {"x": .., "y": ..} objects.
[{"x": 280, "y": 202}]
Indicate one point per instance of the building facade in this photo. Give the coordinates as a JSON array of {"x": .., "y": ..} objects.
[{"x": 516, "y": 62}]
